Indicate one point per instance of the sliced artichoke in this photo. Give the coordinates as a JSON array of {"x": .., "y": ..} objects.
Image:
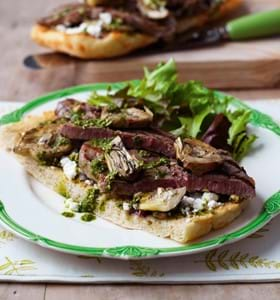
[
  {"x": 197, "y": 156},
  {"x": 119, "y": 161},
  {"x": 162, "y": 200},
  {"x": 153, "y": 9}
]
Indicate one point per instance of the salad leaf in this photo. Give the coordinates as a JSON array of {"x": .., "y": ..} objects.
[
  {"x": 238, "y": 137},
  {"x": 184, "y": 109}
]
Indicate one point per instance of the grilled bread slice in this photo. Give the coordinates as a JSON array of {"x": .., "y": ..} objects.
[
  {"x": 181, "y": 229},
  {"x": 116, "y": 43}
]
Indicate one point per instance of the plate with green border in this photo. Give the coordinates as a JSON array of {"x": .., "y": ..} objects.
[{"x": 33, "y": 212}]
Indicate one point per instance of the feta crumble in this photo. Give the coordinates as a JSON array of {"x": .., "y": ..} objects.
[
  {"x": 69, "y": 167},
  {"x": 126, "y": 206},
  {"x": 199, "y": 202},
  {"x": 93, "y": 28}
]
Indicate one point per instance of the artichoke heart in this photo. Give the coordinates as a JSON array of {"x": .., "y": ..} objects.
[
  {"x": 119, "y": 161},
  {"x": 162, "y": 200},
  {"x": 153, "y": 9}
]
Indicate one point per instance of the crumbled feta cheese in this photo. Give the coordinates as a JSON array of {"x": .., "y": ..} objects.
[
  {"x": 212, "y": 204},
  {"x": 198, "y": 202},
  {"x": 106, "y": 18},
  {"x": 69, "y": 167},
  {"x": 126, "y": 206},
  {"x": 210, "y": 196},
  {"x": 94, "y": 29}
]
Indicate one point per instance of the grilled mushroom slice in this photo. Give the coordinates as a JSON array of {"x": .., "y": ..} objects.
[
  {"x": 44, "y": 143},
  {"x": 162, "y": 200},
  {"x": 128, "y": 118},
  {"x": 153, "y": 9},
  {"x": 197, "y": 156}
]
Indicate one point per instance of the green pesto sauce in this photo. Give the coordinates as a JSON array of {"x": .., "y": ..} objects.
[
  {"x": 153, "y": 164},
  {"x": 89, "y": 203},
  {"x": 61, "y": 189},
  {"x": 105, "y": 144},
  {"x": 98, "y": 165},
  {"x": 68, "y": 214},
  {"x": 77, "y": 119},
  {"x": 88, "y": 217}
]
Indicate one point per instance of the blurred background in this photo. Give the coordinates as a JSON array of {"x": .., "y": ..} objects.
[{"x": 231, "y": 66}]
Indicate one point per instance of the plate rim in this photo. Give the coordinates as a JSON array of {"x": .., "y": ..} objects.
[{"x": 270, "y": 209}]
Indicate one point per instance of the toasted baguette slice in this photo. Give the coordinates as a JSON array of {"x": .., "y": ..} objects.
[
  {"x": 183, "y": 229},
  {"x": 115, "y": 43}
]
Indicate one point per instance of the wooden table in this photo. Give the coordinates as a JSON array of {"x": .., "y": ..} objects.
[{"x": 19, "y": 84}]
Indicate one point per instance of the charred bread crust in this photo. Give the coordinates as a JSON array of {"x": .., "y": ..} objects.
[
  {"x": 88, "y": 47},
  {"x": 181, "y": 229}
]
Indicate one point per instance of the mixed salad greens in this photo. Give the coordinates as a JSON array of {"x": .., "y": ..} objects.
[{"x": 185, "y": 109}]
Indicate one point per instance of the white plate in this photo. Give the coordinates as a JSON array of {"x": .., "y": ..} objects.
[{"x": 33, "y": 212}]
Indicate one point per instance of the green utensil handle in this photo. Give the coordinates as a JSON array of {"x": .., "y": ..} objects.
[{"x": 258, "y": 25}]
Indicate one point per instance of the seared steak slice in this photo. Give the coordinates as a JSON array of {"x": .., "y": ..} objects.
[
  {"x": 92, "y": 163},
  {"x": 176, "y": 177},
  {"x": 132, "y": 139}
]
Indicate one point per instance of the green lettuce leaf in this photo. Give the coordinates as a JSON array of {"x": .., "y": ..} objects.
[
  {"x": 238, "y": 138},
  {"x": 185, "y": 109}
]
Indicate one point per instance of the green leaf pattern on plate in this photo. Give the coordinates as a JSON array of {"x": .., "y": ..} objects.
[
  {"x": 272, "y": 205},
  {"x": 131, "y": 251},
  {"x": 17, "y": 267},
  {"x": 227, "y": 260}
]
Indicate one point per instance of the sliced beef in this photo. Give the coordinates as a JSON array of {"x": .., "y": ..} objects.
[
  {"x": 92, "y": 163},
  {"x": 132, "y": 139},
  {"x": 177, "y": 177}
]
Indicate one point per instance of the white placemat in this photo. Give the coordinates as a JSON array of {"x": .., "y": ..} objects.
[{"x": 256, "y": 258}]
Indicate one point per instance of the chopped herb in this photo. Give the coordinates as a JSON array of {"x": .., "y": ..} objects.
[
  {"x": 86, "y": 123},
  {"x": 87, "y": 217},
  {"x": 74, "y": 156},
  {"x": 137, "y": 141},
  {"x": 60, "y": 141},
  {"x": 156, "y": 163},
  {"x": 44, "y": 159},
  {"x": 109, "y": 178},
  {"x": 104, "y": 144},
  {"x": 68, "y": 214},
  {"x": 144, "y": 153},
  {"x": 89, "y": 203},
  {"x": 98, "y": 165}
]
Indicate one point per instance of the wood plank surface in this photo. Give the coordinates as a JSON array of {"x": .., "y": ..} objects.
[{"x": 256, "y": 62}]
